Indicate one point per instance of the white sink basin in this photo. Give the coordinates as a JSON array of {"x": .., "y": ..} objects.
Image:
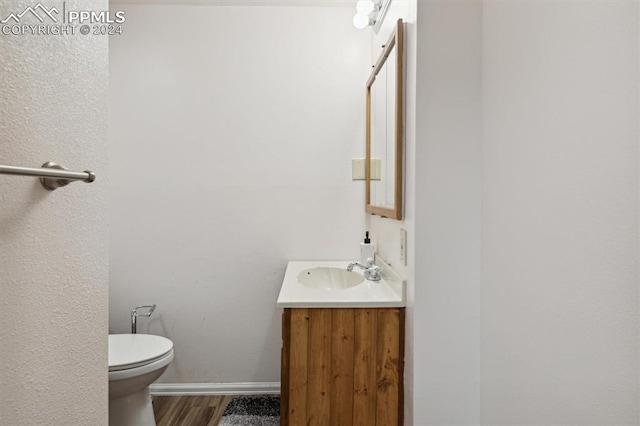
[
  {"x": 328, "y": 284},
  {"x": 328, "y": 278}
]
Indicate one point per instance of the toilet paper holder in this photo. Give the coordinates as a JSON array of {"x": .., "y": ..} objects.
[{"x": 135, "y": 314}]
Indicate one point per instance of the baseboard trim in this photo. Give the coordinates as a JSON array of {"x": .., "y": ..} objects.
[{"x": 179, "y": 389}]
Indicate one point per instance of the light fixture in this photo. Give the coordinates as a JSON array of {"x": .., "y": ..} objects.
[
  {"x": 365, "y": 7},
  {"x": 360, "y": 21},
  {"x": 369, "y": 13}
]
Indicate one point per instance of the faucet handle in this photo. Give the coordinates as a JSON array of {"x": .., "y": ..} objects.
[{"x": 372, "y": 273}]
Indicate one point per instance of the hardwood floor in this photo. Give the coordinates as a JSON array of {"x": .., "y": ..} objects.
[{"x": 189, "y": 410}]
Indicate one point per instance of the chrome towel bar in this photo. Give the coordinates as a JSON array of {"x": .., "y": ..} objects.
[{"x": 51, "y": 175}]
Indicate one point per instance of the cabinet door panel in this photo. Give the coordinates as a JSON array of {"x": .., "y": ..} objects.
[
  {"x": 298, "y": 367},
  {"x": 319, "y": 389},
  {"x": 342, "y": 366},
  {"x": 364, "y": 368},
  {"x": 388, "y": 377}
]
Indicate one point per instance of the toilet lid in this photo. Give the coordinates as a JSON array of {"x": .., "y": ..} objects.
[{"x": 134, "y": 350}]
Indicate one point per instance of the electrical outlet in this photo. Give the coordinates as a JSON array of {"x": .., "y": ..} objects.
[{"x": 403, "y": 246}]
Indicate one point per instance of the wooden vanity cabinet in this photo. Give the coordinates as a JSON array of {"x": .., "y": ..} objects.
[{"x": 342, "y": 366}]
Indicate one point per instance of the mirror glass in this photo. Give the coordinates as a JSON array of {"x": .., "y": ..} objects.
[
  {"x": 383, "y": 127},
  {"x": 384, "y": 131}
]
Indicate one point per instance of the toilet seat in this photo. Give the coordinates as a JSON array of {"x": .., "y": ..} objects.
[
  {"x": 135, "y": 361},
  {"x": 129, "y": 351}
]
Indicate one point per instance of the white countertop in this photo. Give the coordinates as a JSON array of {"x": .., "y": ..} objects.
[{"x": 388, "y": 292}]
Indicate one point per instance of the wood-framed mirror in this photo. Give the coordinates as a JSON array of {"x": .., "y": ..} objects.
[{"x": 384, "y": 136}]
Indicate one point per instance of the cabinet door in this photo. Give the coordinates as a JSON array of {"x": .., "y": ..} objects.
[{"x": 342, "y": 366}]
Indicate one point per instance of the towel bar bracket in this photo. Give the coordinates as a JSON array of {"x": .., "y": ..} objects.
[
  {"x": 52, "y": 175},
  {"x": 55, "y": 183}
]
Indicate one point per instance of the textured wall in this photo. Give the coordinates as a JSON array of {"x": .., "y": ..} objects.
[
  {"x": 53, "y": 245},
  {"x": 232, "y": 130}
]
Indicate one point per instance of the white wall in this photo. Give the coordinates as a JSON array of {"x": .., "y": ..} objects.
[
  {"x": 232, "y": 131},
  {"x": 557, "y": 87},
  {"x": 53, "y": 251},
  {"x": 447, "y": 213},
  {"x": 560, "y": 213}
]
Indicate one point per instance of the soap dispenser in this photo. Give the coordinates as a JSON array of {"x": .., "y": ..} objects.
[{"x": 367, "y": 250}]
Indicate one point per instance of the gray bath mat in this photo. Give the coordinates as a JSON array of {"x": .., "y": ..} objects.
[{"x": 252, "y": 411}]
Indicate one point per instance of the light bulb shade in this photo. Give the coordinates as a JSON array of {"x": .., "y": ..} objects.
[
  {"x": 365, "y": 7},
  {"x": 360, "y": 21}
]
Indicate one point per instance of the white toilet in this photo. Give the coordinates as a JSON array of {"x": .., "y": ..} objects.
[{"x": 135, "y": 361}]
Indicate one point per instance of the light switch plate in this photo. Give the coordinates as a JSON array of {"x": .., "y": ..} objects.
[
  {"x": 403, "y": 246},
  {"x": 357, "y": 169}
]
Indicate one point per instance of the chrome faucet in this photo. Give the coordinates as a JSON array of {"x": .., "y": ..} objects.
[
  {"x": 135, "y": 315},
  {"x": 371, "y": 271}
]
